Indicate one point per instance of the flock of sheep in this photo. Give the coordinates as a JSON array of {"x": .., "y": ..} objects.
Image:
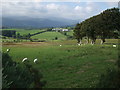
[
  {"x": 35, "y": 60},
  {"x": 25, "y": 59},
  {"x": 84, "y": 44}
]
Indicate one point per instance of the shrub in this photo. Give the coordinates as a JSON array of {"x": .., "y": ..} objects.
[
  {"x": 17, "y": 75},
  {"x": 56, "y": 38}
]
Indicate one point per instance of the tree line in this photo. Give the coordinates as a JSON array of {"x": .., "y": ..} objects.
[{"x": 102, "y": 26}]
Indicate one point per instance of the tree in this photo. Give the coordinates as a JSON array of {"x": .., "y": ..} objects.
[
  {"x": 89, "y": 28},
  {"x": 107, "y": 22},
  {"x": 16, "y": 75},
  {"x": 78, "y": 33},
  {"x": 18, "y": 36},
  {"x": 8, "y": 33},
  {"x": 103, "y": 25},
  {"x": 56, "y": 38}
]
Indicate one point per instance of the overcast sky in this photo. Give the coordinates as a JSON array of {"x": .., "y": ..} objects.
[{"x": 68, "y": 10}]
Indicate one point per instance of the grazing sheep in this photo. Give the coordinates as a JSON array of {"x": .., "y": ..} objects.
[
  {"x": 8, "y": 50},
  {"x": 78, "y": 44},
  {"x": 24, "y": 59},
  {"x": 60, "y": 45},
  {"x": 114, "y": 46},
  {"x": 35, "y": 60}
]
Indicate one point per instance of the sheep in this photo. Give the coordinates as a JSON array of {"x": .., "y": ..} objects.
[
  {"x": 24, "y": 59},
  {"x": 8, "y": 50},
  {"x": 114, "y": 46},
  {"x": 35, "y": 60},
  {"x": 60, "y": 45},
  {"x": 78, "y": 44}
]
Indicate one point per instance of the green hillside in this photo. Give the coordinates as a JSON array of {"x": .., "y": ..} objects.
[{"x": 49, "y": 36}]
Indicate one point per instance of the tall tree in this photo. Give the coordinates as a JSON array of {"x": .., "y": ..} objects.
[
  {"x": 107, "y": 22},
  {"x": 78, "y": 33},
  {"x": 89, "y": 28},
  {"x": 104, "y": 25}
]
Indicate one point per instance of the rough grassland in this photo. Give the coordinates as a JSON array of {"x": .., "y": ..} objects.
[
  {"x": 49, "y": 36},
  {"x": 68, "y": 66}
]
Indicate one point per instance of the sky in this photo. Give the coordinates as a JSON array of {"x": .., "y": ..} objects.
[{"x": 73, "y": 10}]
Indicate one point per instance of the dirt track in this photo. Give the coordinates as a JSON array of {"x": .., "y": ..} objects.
[{"x": 25, "y": 44}]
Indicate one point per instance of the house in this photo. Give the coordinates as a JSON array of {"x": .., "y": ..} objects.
[
  {"x": 64, "y": 29},
  {"x": 59, "y": 29}
]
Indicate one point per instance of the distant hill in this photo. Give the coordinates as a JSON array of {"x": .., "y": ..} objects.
[{"x": 27, "y": 22}]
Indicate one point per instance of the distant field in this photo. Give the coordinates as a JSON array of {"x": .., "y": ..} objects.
[
  {"x": 25, "y": 31},
  {"x": 22, "y": 32},
  {"x": 68, "y": 66},
  {"x": 45, "y": 36},
  {"x": 70, "y": 33},
  {"x": 49, "y": 36}
]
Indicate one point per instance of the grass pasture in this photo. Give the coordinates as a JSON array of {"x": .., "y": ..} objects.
[
  {"x": 70, "y": 33},
  {"x": 49, "y": 36},
  {"x": 68, "y": 66},
  {"x": 24, "y": 31}
]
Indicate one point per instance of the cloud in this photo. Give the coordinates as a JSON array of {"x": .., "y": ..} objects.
[
  {"x": 61, "y": 0},
  {"x": 89, "y": 9},
  {"x": 112, "y": 4},
  {"x": 52, "y": 6},
  {"x": 78, "y": 8},
  {"x": 39, "y": 9}
]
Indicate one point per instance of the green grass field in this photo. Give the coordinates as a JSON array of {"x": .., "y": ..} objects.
[
  {"x": 49, "y": 36},
  {"x": 24, "y": 31},
  {"x": 68, "y": 66},
  {"x": 70, "y": 33}
]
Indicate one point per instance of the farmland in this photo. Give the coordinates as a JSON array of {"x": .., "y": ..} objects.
[
  {"x": 24, "y": 31},
  {"x": 50, "y": 36},
  {"x": 69, "y": 65}
]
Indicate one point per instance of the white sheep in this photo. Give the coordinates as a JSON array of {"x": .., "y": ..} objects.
[
  {"x": 60, "y": 45},
  {"x": 114, "y": 46},
  {"x": 8, "y": 50},
  {"x": 78, "y": 44},
  {"x": 24, "y": 59},
  {"x": 35, "y": 60}
]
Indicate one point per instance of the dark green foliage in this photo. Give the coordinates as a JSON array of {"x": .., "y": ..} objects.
[
  {"x": 17, "y": 75},
  {"x": 70, "y": 37},
  {"x": 65, "y": 33},
  {"x": 8, "y": 33},
  {"x": 18, "y": 36},
  {"x": 56, "y": 38},
  {"x": 103, "y": 25},
  {"x": 26, "y": 36},
  {"x": 78, "y": 33},
  {"x": 107, "y": 23},
  {"x": 37, "y": 76}
]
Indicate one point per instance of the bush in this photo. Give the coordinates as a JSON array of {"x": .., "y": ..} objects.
[
  {"x": 56, "y": 38},
  {"x": 17, "y": 75}
]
